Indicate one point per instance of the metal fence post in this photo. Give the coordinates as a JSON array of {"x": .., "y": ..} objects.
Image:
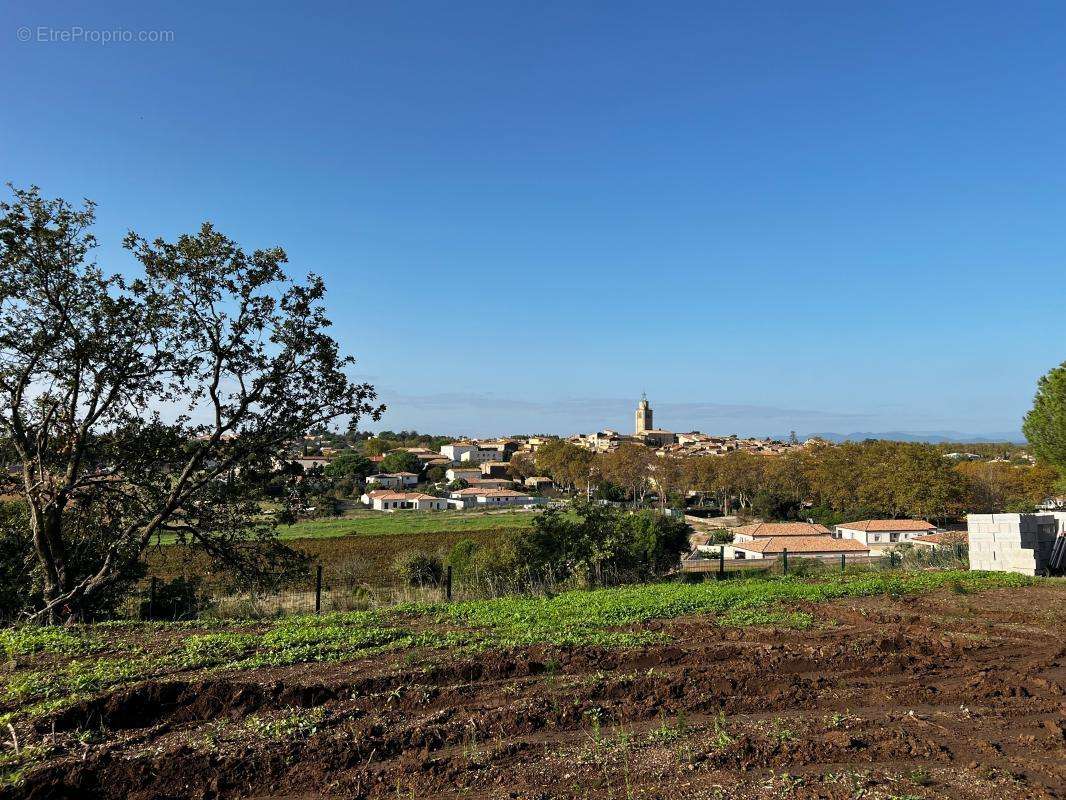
[
  {"x": 448, "y": 584},
  {"x": 721, "y": 562},
  {"x": 151, "y": 597},
  {"x": 843, "y": 562},
  {"x": 784, "y": 561},
  {"x": 318, "y": 589}
]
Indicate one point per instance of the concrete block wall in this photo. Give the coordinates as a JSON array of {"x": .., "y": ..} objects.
[{"x": 1013, "y": 542}]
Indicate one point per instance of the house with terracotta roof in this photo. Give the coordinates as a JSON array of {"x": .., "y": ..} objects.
[
  {"x": 480, "y": 497},
  {"x": 406, "y": 501},
  {"x": 823, "y": 546},
  {"x": 367, "y": 498},
  {"x": 491, "y": 483},
  {"x": 880, "y": 534},
  {"x": 766, "y": 530}
]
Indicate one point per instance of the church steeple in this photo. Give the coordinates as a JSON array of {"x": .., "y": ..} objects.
[{"x": 644, "y": 415}]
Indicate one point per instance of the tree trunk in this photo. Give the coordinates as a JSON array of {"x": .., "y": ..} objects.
[{"x": 48, "y": 541}]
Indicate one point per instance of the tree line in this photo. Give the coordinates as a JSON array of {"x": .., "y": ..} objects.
[{"x": 828, "y": 482}]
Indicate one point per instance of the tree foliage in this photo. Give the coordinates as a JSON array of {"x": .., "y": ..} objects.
[
  {"x": 401, "y": 461},
  {"x": 594, "y": 537},
  {"x": 138, "y": 406},
  {"x": 350, "y": 464},
  {"x": 1045, "y": 425}
]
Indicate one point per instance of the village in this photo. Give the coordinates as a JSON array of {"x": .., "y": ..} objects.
[{"x": 487, "y": 474}]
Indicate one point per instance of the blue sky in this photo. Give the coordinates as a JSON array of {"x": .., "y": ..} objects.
[{"x": 821, "y": 216}]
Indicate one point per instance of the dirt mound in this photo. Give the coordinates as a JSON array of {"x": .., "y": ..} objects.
[
  {"x": 943, "y": 696},
  {"x": 177, "y": 702}
]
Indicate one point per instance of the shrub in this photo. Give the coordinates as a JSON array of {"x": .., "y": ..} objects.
[
  {"x": 720, "y": 536},
  {"x": 18, "y": 590},
  {"x": 180, "y": 598},
  {"x": 419, "y": 568},
  {"x": 461, "y": 557}
]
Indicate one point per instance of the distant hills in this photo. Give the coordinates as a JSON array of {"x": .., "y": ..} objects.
[{"x": 933, "y": 437}]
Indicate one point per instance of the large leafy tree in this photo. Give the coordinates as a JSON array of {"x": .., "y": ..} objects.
[
  {"x": 350, "y": 465},
  {"x": 401, "y": 461},
  {"x": 1045, "y": 425},
  {"x": 133, "y": 407},
  {"x": 629, "y": 466}
]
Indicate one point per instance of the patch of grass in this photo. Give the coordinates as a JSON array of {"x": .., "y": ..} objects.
[
  {"x": 13, "y": 766},
  {"x": 327, "y": 638},
  {"x": 377, "y": 523},
  {"x": 594, "y": 617},
  {"x": 299, "y": 724},
  {"x": 76, "y": 677},
  {"x": 29, "y": 639},
  {"x": 211, "y": 649}
]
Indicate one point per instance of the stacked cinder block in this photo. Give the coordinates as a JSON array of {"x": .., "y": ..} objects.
[{"x": 1013, "y": 542}]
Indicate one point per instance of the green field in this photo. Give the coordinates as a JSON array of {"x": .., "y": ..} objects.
[
  {"x": 56, "y": 666},
  {"x": 377, "y": 523}
]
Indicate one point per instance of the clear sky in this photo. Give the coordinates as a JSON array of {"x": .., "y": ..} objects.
[{"x": 821, "y": 216}]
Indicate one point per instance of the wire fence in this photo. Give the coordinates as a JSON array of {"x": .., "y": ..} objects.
[
  {"x": 325, "y": 589},
  {"x": 956, "y": 557}
]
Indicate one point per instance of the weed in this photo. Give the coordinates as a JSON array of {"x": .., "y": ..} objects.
[
  {"x": 667, "y": 733},
  {"x": 782, "y": 733},
  {"x": 298, "y": 724},
  {"x": 720, "y": 737},
  {"x": 920, "y": 777}
]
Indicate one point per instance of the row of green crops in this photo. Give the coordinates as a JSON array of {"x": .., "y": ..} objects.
[{"x": 56, "y": 666}]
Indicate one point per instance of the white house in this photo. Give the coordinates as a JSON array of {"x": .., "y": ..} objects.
[
  {"x": 462, "y": 473},
  {"x": 456, "y": 450},
  {"x": 503, "y": 497},
  {"x": 407, "y": 501},
  {"x": 480, "y": 455},
  {"x": 799, "y": 546},
  {"x": 491, "y": 483},
  {"x": 465, "y": 498},
  {"x": 393, "y": 480},
  {"x": 478, "y": 496},
  {"x": 882, "y": 533}
]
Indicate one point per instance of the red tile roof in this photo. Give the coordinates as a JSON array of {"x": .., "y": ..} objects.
[
  {"x": 889, "y": 525},
  {"x": 944, "y": 538},
  {"x": 764, "y": 529},
  {"x": 803, "y": 544}
]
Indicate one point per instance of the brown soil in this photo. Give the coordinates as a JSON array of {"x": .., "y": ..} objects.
[{"x": 946, "y": 695}]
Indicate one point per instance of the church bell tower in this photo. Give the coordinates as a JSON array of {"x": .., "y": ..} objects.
[{"x": 643, "y": 415}]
